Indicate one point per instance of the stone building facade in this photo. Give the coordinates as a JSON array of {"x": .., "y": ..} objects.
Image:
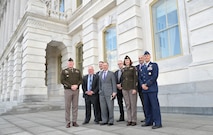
[{"x": 38, "y": 36}]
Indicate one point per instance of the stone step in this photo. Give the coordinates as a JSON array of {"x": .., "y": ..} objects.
[{"x": 31, "y": 107}]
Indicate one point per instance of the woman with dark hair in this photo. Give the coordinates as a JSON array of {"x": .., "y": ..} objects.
[{"x": 129, "y": 81}]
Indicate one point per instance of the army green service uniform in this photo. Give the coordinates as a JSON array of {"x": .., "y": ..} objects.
[
  {"x": 129, "y": 81},
  {"x": 71, "y": 77}
]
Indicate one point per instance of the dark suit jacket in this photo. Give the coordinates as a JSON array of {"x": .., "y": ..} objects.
[
  {"x": 116, "y": 76},
  {"x": 139, "y": 74},
  {"x": 108, "y": 85},
  {"x": 94, "y": 84},
  {"x": 149, "y": 77}
]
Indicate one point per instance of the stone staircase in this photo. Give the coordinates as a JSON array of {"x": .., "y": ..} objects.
[{"x": 54, "y": 103}]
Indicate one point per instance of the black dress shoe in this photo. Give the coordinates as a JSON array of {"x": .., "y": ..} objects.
[
  {"x": 145, "y": 125},
  {"x": 103, "y": 124},
  {"x": 110, "y": 124},
  {"x": 96, "y": 122},
  {"x": 155, "y": 127},
  {"x": 120, "y": 120},
  {"x": 129, "y": 124},
  {"x": 85, "y": 122},
  {"x": 74, "y": 124},
  {"x": 134, "y": 123},
  {"x": 143, "y": 120}
]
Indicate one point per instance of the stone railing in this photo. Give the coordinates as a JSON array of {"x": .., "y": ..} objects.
[{"x": 53, "y": 9}]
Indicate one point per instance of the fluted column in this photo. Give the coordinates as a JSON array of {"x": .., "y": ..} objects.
[
  {"x": 17, "y": 72},
  {"x": 10, "y": 74}
]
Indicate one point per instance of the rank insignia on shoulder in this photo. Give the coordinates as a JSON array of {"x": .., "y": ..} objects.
[
  {"x": 150, "y": 67},
  {"x": 66, "y": 72}
]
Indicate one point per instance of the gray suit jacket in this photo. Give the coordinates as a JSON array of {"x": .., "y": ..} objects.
[{"x": 108, "y": 85}]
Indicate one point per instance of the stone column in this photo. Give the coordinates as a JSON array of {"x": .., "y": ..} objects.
[
  {"x": 1, "y": 83},
  {"x": 33, "y": 88},
  {"x": 9, "y": 74},
  {"x": 90, "y": 43},
  {"x": 129, "y": 31},
  {"x": 4, "y": 88},
  {"x": 16, "y": 72}
]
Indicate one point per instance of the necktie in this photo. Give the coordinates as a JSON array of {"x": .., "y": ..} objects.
[
  {"x": 119, "y": 75},
  {"x": 90, "y": 82},
  {"x": 104, "y": 75}
]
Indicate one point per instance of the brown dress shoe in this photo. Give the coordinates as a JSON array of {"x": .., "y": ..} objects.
[
  {"x": 68, "y": 125},
  {"x": 134, "y": 123},
  {"x": 74, "y": 124},
  {"x": 129, "y": 124}
]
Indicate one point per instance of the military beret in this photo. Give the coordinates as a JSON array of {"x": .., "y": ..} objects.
[
  {"x": 127, "y": 57},
  {"x": 146, "y": 53},
  {"x": 70, "y": 59}
]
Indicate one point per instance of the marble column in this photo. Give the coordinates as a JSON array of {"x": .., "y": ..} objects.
[
  {"x": 33, "y": 88},
  {"x": 10, "y": 74},
  {"x": 90, "y": 43},
  {"x": 4, "y": 88},
  {"x": 17, "y": 72},
  {"x": 1, "y": 83}
]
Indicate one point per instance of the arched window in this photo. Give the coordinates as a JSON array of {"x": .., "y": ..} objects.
[
  {"x": 110, "y": 47},
  {"x": 166, "y": 29}
]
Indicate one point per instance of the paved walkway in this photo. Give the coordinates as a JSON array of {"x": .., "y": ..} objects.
[{"x": 52, "y": 123}]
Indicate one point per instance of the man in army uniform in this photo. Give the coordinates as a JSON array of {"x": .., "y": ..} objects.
[{"x": 71, "y": 79}]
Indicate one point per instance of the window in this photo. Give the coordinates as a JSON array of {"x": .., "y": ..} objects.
[
  {"x": 79, "y": 57},
  {"x": 166, "y": 29},
  {"x": 111, "y": 47},
  {"x": 61, "y": 6},
  {"x": 78, "y": 2}
]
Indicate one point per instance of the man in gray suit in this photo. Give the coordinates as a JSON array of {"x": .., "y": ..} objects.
[{"x": 107, "y": 93}]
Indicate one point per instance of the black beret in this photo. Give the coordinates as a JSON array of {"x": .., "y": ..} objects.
[
  {"x": 127, "y": 57},
  {"x": 70, "y": 59},
  {"x": 146, "y": 53}
]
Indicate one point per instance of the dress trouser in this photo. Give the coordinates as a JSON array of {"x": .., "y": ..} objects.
[
  {"x": 107, "y": 109},
  {"x": 131, "y": 105},
  {"x": 120, "y": 104},
  {"x": 71, "y": 97}
]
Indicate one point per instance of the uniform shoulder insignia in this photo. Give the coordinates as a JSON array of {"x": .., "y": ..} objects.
[{"x": 66, "y": 71}]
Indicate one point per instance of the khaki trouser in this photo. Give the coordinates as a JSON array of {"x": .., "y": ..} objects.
[
  {"x": 71, "y": 97},
  {"x": 131, "y": 105}
]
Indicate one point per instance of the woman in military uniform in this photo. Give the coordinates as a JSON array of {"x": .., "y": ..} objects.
[{"x": 129, "y": 80}]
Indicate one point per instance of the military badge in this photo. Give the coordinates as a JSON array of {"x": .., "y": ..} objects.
[{"x": 149, "y": 68}]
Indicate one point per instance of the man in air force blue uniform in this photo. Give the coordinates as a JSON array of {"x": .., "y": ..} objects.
[{"x": 148, "y": 82}]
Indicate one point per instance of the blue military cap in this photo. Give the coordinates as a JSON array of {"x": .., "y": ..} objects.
[
  {"x": 146, "y": 53},
  {"x": 70, "y": 59}
]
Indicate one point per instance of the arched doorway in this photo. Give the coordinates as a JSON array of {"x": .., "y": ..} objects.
[{"x": 53, "y": 69}]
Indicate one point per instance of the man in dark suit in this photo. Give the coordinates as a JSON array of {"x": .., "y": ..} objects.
[
  {"x": 119, "y": 90},
  {"x": 139, "y": 69},
  {"x": 148, "y": 82},
  {"x": 107, "y": 92},
  {"x": 90, "y": 94}
]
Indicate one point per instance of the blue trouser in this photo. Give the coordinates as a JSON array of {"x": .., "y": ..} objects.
[{"x": 152, "y": 108}]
